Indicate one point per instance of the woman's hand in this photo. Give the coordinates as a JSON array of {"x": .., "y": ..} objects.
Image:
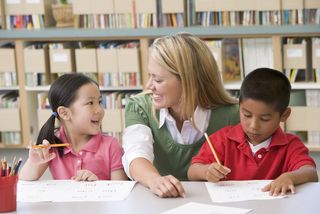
[
  {"x": 41, "y": 155},
  {"x": 166, "y": 186},
  {"x": 84, "y": 175}
]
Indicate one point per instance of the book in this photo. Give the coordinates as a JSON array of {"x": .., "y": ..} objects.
[{"x": 231, "y": 60}]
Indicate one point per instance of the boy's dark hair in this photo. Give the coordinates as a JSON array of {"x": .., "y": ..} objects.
[
  {"x": 267, "y": 85},
  {"x": 63, "y": 92}
]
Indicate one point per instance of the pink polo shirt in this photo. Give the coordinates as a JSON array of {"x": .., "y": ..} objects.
[
  {"x": 101, "y": 155},
  {"x": 285, "y": 153}
]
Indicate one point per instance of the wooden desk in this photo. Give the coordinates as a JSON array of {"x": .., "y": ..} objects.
[{"x": 141, "y": 201}]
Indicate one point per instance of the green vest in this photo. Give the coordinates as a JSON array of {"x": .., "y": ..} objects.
[{"x": 171, "y": 157}]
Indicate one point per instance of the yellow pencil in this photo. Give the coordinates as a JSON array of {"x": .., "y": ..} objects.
[
  {"x": 212, "y": 149},
  {"x": 41, "y": 146}
]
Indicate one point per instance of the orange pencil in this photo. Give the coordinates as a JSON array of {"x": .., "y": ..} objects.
[
  {"x": 212, "y": 149},
  {"x": 41, "y": 146}
]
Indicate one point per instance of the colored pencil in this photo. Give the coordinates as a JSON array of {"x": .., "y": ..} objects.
[
  {"x": 212, "y": 149},
  {"x": 41, "y": 146}
]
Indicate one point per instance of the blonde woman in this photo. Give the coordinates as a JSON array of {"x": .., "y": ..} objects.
[{"x": 165, "y": 127}]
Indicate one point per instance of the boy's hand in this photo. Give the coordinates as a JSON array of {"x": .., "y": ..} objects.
[
  {"x": 41, "y": 155},
  {"x": 281, "y": 185},
  {"x": 84, "y": 175},
  {"x": 216, "y": 172}
]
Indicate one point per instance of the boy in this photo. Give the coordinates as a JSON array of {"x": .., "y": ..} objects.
[{"x": 257, "y": 148}]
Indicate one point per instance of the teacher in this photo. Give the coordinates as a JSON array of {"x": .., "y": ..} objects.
[{"x": 165, "y": 126}]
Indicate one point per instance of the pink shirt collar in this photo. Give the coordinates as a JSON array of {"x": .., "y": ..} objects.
[{"x": 90, "y": 146}]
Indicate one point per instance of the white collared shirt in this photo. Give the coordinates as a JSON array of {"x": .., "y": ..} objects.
[
  {"x": 137, "y": 140},
  {"x": 261, "y": 145}
]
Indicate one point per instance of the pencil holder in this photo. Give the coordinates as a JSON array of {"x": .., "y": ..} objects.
[{"x": 8, "y": 193}]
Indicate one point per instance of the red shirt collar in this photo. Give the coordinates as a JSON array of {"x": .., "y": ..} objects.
[{"x": 236, "y": 134}]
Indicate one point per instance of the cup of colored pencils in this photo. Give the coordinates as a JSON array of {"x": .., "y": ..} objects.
[{"x": 8, "y": 184}]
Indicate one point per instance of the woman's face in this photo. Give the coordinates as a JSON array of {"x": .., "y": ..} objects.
[{"x": 165, "y": 86}]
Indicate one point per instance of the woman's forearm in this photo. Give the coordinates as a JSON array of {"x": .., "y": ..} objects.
[{"x": 143, "y": 171}]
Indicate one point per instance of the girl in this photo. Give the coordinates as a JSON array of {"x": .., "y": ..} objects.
[{"x": 75, "y": 101}]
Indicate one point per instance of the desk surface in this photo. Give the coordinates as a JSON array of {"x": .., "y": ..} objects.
[{"x": 141, "y": 201}]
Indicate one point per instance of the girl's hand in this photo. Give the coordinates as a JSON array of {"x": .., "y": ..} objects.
[
  {"x": 216, "y": 172},
  {"x": 84, "y": 175},
  {"x": 41, "y": 155},
  {"x": 280, "y": 186},
  {"x": 166, "y": 186}
]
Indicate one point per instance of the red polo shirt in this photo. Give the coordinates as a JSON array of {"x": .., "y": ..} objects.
[{"x": 285, "y": 153}]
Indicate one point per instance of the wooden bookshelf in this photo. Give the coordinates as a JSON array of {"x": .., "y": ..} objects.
[
  {"x": 54, "y": 34},
  {"x": 22, "y": 37}
]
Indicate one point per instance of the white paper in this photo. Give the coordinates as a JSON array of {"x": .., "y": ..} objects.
[
  {"x": 70, "y": 190},
  {"x": 229, "y": 191},
  {"x": 192, "y": 208}
]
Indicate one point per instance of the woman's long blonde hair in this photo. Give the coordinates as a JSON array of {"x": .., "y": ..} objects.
[{"x": 191, "y": 60}]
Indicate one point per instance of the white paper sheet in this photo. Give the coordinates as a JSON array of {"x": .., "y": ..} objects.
[
  {"x": 70, "y": 190},
  {"x": 228, "y": 191},
  {"x": 192, "y": 208}
]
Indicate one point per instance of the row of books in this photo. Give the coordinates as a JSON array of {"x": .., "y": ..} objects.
[
  {"x": 26, "y": 14},
  {"x": 10, "y": 138},
  {"x": 114, "y": 121},
  {"x": 164, "y": 13},
  {"x": 9, "y": 99},
  {"x": 237, "y": 57},
  {"x": 112, "y": 64},
  {"x": 8, "y": 76},
  {"x": 117, "y": 64},
  {"x": 245, "y": 18},
  {"x": 9, "y": 112},
  {"x": 305, "y": 104},
  {"x": 130, "y": 14},
  {"x": 113, "y": 103},
  {"x": 232, "y": 18},
  {"x": 25, "y": 22},
  {"x": 253, "y": 12},
  {"x": 302, "y": 59},
  {"x": 313, "y": 100},
  {"x": 8, "y": 79},
  {"x": 110, "y": 100},
  {"x": 116, "y": 100}
]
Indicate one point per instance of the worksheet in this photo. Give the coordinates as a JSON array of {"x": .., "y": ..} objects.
[
  {"x": 70, "y": 190},
  {"x": 229, "y": 191},
  {"x": 192, "y": 208}
]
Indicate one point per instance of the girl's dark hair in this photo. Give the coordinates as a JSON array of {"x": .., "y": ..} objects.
[
  {"x": 267, "y": 85},
  {"x": 63, "y": 92}
]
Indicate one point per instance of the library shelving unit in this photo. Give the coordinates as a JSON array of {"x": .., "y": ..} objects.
[{"x": 22, "y": 37}]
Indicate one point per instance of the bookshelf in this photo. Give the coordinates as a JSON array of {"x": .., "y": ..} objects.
[{"x": 23, "y": 37}]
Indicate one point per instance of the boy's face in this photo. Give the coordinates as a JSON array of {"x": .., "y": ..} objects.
[{"x": 259, "y": 120}]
